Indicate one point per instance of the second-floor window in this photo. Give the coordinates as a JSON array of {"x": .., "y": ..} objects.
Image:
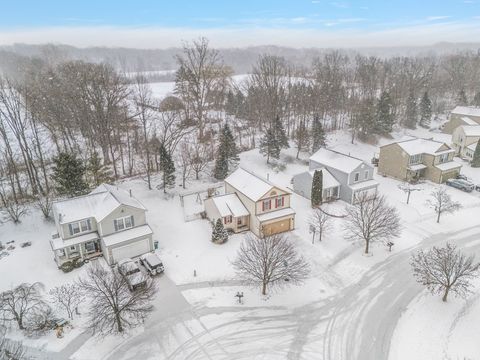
[
  {"x": 415, "y": 159},
  {"x": 443, "y": 158},
  {"x": 266, "y": 205},
  {"x": 279, "y": 202},
  {"x": 366, "y": 175},
  {"x": 227, "y": 219},
  {"x": 79, "y": 227},
  {"x": 123, "y": 223},
  {"x": 357, "y": 176}
]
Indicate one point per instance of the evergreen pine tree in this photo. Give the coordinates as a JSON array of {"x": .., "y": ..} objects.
[
  {"x": 411, "y": 111},
  {"x": 384, "y": 119},
  {"x": 302, "y": 138},
  {"x": 167, "y": 167},
  {"x": 317, "y": 188},
  {"x": 227, "y": 154},
  {"x": 219, "y": 233},
  {"x": 462, "y": 98},
  {"x": 365, "y": 118},
  {"x": 269, "y": 146},
  {"x": 318, "y": 135},
  {"x": 476, "y": 99},
  {"x": 97, "y": 172},
  {"x": 425, "y": 111},
  {"x": 69, "y": 175},
  {"x": 476, "y": 156},
  {"x": 280, "y": 134}
]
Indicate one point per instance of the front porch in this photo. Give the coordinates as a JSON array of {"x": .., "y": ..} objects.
[
  {"x": 415, "y": 173},
  {"x": 83, "y": 247}
]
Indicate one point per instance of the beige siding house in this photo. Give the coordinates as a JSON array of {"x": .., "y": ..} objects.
[
  {"x": 465, "y": 139},
  {"x": 417, "y": 159},
  {"x": 252, "y": 203},
  {"x": 462, "y": 115},
  {"x": 108, "y": 222}
]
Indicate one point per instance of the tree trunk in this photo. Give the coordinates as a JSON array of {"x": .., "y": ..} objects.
[
  {"x": 367, "y": 245},
  {"x": 264, "y": 288},
  {"x": 445, "y": 295},
  {"x": 438, "y": 217},
  {"x": 119, "y": 323}
]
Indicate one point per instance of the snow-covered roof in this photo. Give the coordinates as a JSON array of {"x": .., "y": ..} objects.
[
  {"x": 466, "y": 110},
  {"x": 336, "y": 160},
  {"x": 59, "y": 243},
  {"x": 121, "y": 236},
  {"x": 275, "y": 214},
  {"x": 364, "y": 185},
  {"x": 328, "y": 181},
  {"x": 230, "y": 205},
  {"x": 469, "y": 121},
  {"x": 449, "y": 165},
  {"x": 250, "y": 185},
  {"x": 417, "y": 167},
  {"x": 98, "y": 204},
  {"x": 472, "y": 146},
  {"x": 423, "y": 146},
  {"x": 471, "y": 130}
]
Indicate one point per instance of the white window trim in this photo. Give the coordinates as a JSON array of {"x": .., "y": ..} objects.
[
  {"x": 356, "y": 177},
  {"x": 367, "y": 174},
  {"x": 122, "y": 221},
  {"x": 88, "y": 226}
]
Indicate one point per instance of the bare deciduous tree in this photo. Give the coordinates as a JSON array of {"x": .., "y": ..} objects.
[
  {"x": 22, "y": 304},
  {"x": 441, "y": 202},
  {"x": 445, "y": 270},
  {"x": 12, "y": 208},
  {"x": 320, "y": 221},
  {"x": 10, "y": 349},
  {"x": 185, "y": 163},
  {"x": 371, "y": 219},
  {"x": 44, "y": 203},
  {"x": 270, "y": 261},
  {"x": 199, "y": 158},
  {"x": 67, "y": 297},
  {"x": 408, "y": 188},
  {"x": 113, "y": 307}
]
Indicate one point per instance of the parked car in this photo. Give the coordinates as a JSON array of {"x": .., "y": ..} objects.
[
  {"x": 152, "y": 263},
  {"x": 462, "y": 177},
  {"x": 132, "y": 274},
  {"x": 461, "y": 184},
  {"x": 477, "y": 187}
]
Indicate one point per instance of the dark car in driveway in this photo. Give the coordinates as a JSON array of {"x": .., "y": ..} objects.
[
  {"x": 132, "y": 274},
  {"x": 152, "y": 263},
  {"x": 461, "y": 184}
]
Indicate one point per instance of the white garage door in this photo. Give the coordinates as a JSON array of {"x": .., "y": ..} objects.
[{"x": 134, "y": 249}]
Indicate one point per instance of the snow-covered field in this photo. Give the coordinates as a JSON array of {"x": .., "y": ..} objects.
[{"x": 198, "y": 316}]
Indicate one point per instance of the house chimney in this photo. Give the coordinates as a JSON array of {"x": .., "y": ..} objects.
[{"x": 130, "y": 191}]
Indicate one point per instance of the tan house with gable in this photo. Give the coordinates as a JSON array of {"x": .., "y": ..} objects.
[
  {"x": 465, "y": 139},
  {"x": 462, "y": 115},
  {"x": 415, "y": 159},
  {"x": 252, "y": 203}
]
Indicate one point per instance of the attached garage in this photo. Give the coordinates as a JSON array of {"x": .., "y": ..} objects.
[
  {"x": 127, "y": 244},
  {"x": 277, "y": 227}
]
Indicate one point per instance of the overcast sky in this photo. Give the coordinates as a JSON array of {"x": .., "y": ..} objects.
[{"x": 230, "y": 23}]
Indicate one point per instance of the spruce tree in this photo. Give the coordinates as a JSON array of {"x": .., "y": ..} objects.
[
  {"x": 97, "y": 172},
  {"x": 317, "y": 188},
  {"x": 167, "y": 167},
  {"x": 462, "y": 98},
  {"x": 411, "y": 111},
  {"x": 69, "y": 175},
  {"x": 219, "y": 233},
  {"x": 269, "y": 146},
  {"x": 227, "y": 154},
  {"x": 425, "y": 111},
  {"x": 280, "y": 134},
  {"x": 318, "y": 135},
  {"x": 476, "y": 156},
  {"x": 384, "y": 118}
]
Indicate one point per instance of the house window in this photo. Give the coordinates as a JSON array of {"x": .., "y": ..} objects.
[
  {"x": 239, "y": 221},
  {"x": 80, "y": 226},
  {"x": 123, "y": 223},
  {"x": 73, "y": 248},
  {"x": 415, "y": 159},
  {"x": 227, "y": 219},
  {"x": 443, "y": 158},
  {"x": 366, "y": 175},
  {"x": 266, "y": 205},
  {"x": 357, "y": 175},
  {"x": 61, "y": 252},
  {"x": 90, "y": 247},
  {"x": 279, "y": 202}
]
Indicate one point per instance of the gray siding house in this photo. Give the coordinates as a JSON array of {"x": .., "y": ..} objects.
[
  {"x": 108, "y": 222},
  {"x": 352, "y": 175}
]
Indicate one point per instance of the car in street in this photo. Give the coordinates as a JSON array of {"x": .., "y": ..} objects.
[
  {"x": 463, "y": 185},
  {"x": 152, "y": 263},
  {"x": 132, "y": 274}
]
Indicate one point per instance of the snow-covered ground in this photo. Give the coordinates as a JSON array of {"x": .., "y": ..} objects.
[{"x": 198, "y": 316}]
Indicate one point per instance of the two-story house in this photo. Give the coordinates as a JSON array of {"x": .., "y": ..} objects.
[
  {"x": 462, "y": 115},
  {"x": 344, "y": 176},
  {"x": 252, "y": 203},
  {"x": 465, "y": 139},
  {"x": 416, "y": 159},
  {"x": 108, "y": 222}
]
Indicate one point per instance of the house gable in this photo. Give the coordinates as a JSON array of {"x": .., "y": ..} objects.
[{"x": 273, "y": 192}]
